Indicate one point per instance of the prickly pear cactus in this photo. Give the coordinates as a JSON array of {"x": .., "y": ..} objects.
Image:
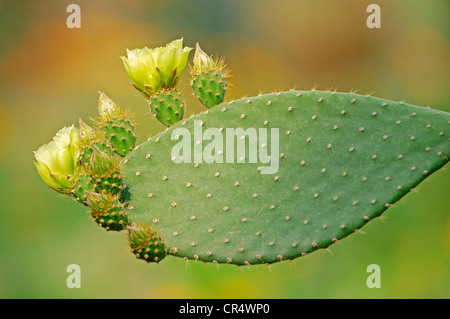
[
  {"x": 343, "y": 159},
  {"x": 252, "y": 181},
  {"x": 167, "y": 107}
]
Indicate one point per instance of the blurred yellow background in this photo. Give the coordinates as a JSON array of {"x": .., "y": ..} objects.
[{"x": 50, "y": 75}]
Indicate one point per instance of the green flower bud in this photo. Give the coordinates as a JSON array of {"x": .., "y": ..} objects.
[
  {"x": 139, "y": 234},
  {"x": 98, "y": 203},
  {"x": 57, "y": 161},
  {"x": 102, "y": 164},
  {"x": 205, "y": 63},
  {"x": 202, "y": 61},
  {"x": 153, "y": 70},
  {"x": 146, "y": 244},
  {"x": 107, "y": 109},
  {"x": 87, "y": 133}
]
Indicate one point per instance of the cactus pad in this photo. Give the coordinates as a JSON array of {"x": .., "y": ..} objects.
[
  {"x": 146, "y": 244},
  {"x": 344, "y": 159},
  {"x": 83, "y": 184},
  {"x": 109, "y": 184},
  {"x": 101, "y": 175},
  {"x": 87, "y": 150},
  {"x": 167, "y": 107},
  {"x": 107, "y": 211},
  {"x": 209, "y": 88},
  {"x": 113, "y": 219},
  {"x": 121, "y": 134}
]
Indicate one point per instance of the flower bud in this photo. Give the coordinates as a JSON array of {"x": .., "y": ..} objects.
[
  {"x": 98, "y": 203},
  {"x": 101, "y": 163},
  {"x": 87, "y": 133},
  {"x": 107, "y": 108},
  {"x": 57, "y": 161},
  {"x": 202, "y": 61},
  {"x": 146, "y": 244}
]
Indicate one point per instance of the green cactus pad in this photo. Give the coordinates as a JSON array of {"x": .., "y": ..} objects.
[
  {"x": 113, "y": 219},
  {"x": 109, "y": 184},
  {"x": 121, "y": 134},
  {"x": 167, "y": 107},
  {"x": 112, "y": 184},
  {"x": 83, "y": 184},
  {"x": 146, "y": 244},
  {"x": 87, "y": 150},
  {"x": 209, "y": 88},
  {"x": 344, "y": 159},
  {"x": 107, "y": 211}
]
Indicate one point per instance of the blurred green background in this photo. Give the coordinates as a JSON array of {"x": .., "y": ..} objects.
[{"x": 50, "y": 76}]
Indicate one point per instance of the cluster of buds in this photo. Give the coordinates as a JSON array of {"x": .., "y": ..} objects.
[
  {"x": 156, "y": 72},
  {"x": 85, "y": 163}
]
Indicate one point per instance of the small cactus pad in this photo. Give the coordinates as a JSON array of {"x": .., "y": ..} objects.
[
  {"x": 113, "y": 219},
  {"x": 102, "y": 175},
  {"x": 109, "y": 184},
  {"x": 209, "y": 88},
  {"x": 115, "y": 123},
  {"x": 146, "y": 244},
  {"x": 340, "y": 160},
  {"x": 121, "y": 134},
  {"x": 112, "y": 184},
  {"x": 167, "y": 107},
  {"x": 84, "y": 183},
  {"x": 87, "y": 150},
  {"x": 107, "y": 211}
]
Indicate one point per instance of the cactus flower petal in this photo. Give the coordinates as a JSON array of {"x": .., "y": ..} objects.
[
  {"x": 153, "y": 70},
  {"x": 56, "y": 162}
]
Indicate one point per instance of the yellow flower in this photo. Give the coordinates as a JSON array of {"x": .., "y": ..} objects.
[
  {"x": 153, "y": 70},
  {"x": 56, "y": 161}
]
